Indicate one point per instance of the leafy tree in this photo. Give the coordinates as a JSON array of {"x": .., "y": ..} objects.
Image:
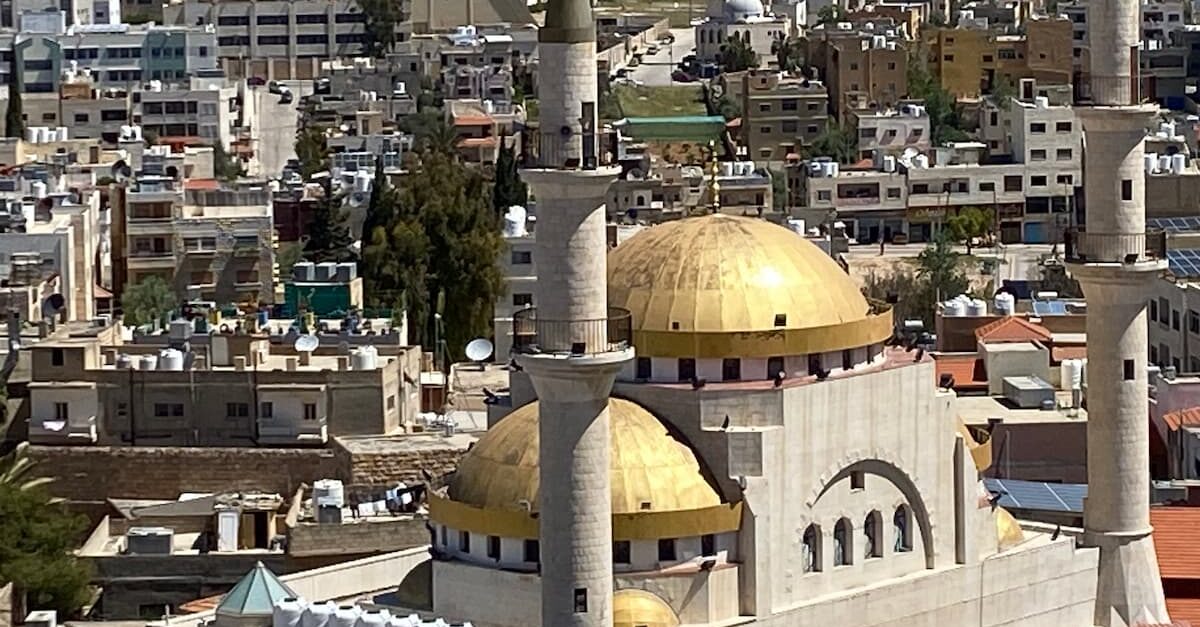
[
  {"x": 945, "y": 118},
  {"x": 938, "y": 275},
  {"x": 15, "y": 468},
  {"x": 225, "y": 167},
  {"x": 147, "y": 301},
  {"x": 311, "y": 149},
  {"x": 969, "y": 223},
  {"x": 14, "y": 119},
  {"x": 779, "y": 190},
  {"x": 286, "y": 257},
  {"x": 829, "y": 14},
  {"x": 441, "y": 252},
  {"x": 941, "y": 268},
  {"x": 736, "y": 55},
  {"x": 508, "y": 189},
  {"x": 789, "y": 53},
  {"x": 36, "y": 554},
  {"x": 328, "y": 233},
  {"x": 937, "y": 19},
  {"x": 836, "y": 142},
  {"x": 381, "y": 18},
  {"x": 1003, "y": 91}
]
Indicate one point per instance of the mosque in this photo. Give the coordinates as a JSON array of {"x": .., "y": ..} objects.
[{"x": 816, "y": 477}]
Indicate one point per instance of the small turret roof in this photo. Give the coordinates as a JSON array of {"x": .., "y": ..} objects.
[{"x": 255, "y": 594}]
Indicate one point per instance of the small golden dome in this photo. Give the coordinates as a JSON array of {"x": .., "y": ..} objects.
[
  {"x": 638, "y": 608},
  {"x": 718, "y": 275},
  {"x": 1008, "y": 530},
  {"x": 648, "y": 465}
]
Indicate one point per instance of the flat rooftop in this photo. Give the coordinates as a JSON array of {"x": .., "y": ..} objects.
[
  {"x": 976, "y": 410},
  {"x": 407, "y": 443}
]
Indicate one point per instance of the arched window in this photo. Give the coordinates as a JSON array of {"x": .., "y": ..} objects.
[
  {"x": 811, "y": 551},
  {"x": 902, "y": 527},
  {"x": 872, "y": 538},
  {"x": 843, "y": 543}
]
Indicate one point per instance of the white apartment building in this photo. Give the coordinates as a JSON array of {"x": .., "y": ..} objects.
[
  {"x": 206, "y": 106},
  {"x": 1174, "y": 324},
  {"x": 892, "y": 131}
]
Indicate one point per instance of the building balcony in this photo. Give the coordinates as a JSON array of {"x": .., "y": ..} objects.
[
  {"x": 157, "y": 260},
  {"x": 535, "y": 335},
  {"x": 1091, "y": 247},
  {"x": 291, "y": 432},
  {"x": 76, "y": 430}
]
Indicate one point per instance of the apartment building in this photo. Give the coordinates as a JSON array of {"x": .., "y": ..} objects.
[
  {"x": 206, "y": 107},
  {"x": 892, "y": 131},
  {"x": 1166, "y": 47},
  {"x": 744, "y": 19},
  {"x": 873, "y": 67},
  {"x": 666, "y": 191},
  {"x": 278, "y": 39},
  {"x": 482, "y": 126},
  {"x": 1174, "y": 324},
  {"x": 221, "y": 389},
  {"x": 968, "y": 62},
  {"x": 781, "y": 114},
  {"x": 520, "y": 279},
  {"x": 70, "y": 12}
]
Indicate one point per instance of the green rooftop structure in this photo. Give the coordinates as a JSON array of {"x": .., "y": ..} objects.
[
  {"x": 254, "y": 596},
  {"x": 681, "y": 128}
]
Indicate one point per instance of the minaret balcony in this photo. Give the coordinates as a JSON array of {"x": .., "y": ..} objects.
[
  {"x": 533, "y": 334},
  {"x": 565, "y": 149},
  {"x": 1091, "y": 247}
]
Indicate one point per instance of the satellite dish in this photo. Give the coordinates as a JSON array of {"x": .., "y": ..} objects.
[
  {"x": 479, "y": 349},
  {"x": 306, "y": 343},
  {"x": 52, "y": 305}
]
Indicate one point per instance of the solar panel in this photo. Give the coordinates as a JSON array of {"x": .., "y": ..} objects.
[
  {"x": 1184, "y": 262},
  {"x": 1175, "y": 225},
  {"x": 1049, "y": 308},
  {"x": 1036, "y": 495}
]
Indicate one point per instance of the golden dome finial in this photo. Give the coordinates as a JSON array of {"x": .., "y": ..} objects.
[{"x": 714, "y": 187}]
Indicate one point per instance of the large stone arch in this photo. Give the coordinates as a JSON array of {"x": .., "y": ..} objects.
[{"x": 893, "y": 474}]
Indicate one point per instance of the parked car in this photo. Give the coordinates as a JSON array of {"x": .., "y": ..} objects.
[
  {"x": 652, "y": 50},
  {"x": 679, "y": 76}
]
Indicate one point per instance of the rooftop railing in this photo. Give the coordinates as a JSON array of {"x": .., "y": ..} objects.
[
  {"x": 535, "y": 335},
  {"x": 1089, "y": 246}
]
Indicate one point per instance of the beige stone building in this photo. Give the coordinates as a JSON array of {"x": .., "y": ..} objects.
[{"x": 781, "y": 114}]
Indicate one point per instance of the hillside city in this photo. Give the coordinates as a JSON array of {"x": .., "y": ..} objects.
[{"x": 600, "y": 313}]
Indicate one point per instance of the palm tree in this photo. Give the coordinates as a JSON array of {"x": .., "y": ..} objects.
[{"x": 15, "y": 468}]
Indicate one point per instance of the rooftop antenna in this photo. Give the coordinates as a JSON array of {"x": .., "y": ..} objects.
[{"x": 479, "y": 350}]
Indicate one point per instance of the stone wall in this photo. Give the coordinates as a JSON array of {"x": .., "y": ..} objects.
[
  {"x": 354, "y": 538},
  {"x": 389, "y": 467}
]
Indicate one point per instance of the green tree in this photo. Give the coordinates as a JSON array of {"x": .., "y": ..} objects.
[
  {"x": 328, "y": 233},
  {"x": 1003, "y": 91},
  {"x": 14, "y": 119},
  {"x": 736, "y": 55},
  {"x": 225, "y": 167},
  {"x": 945, "y": 117},
  {"x": 942, "y": 269},
  {"x": 837, "y": 142},
  {"x": 147, "y": 301},
  {"x": 938, "y": 276},
  {"x": 968, "y": 224},
  {"x": 311, "y": 149},
  {"x": 286, "y": 257},
  {"x": 380, "y": 20},
  {"x": 36, "y": 554},
  {"x": 779, "y": 190},
  {"x": 789, "y": 53},
  {"x": 508, "y": 189},
  {"x": 441, "y": 254},
  {"x": 16, "y": 468},
  {"x": 829, "y": 14}
]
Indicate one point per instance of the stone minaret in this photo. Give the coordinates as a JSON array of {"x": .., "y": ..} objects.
[
  {"x": 1116, "y": 263},
  {"x": 571, "y": 345}
]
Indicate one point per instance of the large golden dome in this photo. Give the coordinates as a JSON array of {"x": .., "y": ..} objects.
[
  {"x": 727, "y": 286},
  {"x": 648, "y": 466},
  {"x": 637, "y": 608}
]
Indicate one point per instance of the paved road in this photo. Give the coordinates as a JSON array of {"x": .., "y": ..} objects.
[
  {"x": 275, "y": 137},
  {"x": 656, "y": 69}
]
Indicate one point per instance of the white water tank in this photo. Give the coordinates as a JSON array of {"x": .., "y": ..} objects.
[
  {"x": 62, "y": 134},
  {"x": 977, "y": 308},
  {"x": 514, "y": 221},
  {"x": 318, "y": 614},
  {"x": 170, "y": 359},
  {"x": 39, "y": 189},
  {"x": 374, "y": 618},
  {"x": 889, "y": 163},
  {"x": 1071, "y": 373},
  {"x": 1164, "y": 163},
  {"x": 31, "y": 134},
  {"x": 328, "y": 493},
  {"x": 1004, "y": 303},
  {"x": 363, "y": 358},
  {"x": 345, "y": 616},
  {"x": 288, "y": 612},
  {"x": 124, "y": 362},
  {"x": 1042, "y": 102},
  {"x": 954, "y": 308},
  {"x": 362, "y": 181},
  {"x": 147, "y": 362},
  {"x": 1151, "y": 161},
  {"x": 1178, "y": 163},
  {"x": 921, "y": 161}
]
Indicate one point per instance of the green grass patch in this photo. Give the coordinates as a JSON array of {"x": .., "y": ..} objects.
[{"x": 661, "y": 101}]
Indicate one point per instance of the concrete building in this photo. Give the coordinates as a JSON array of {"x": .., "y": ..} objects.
[
  {"x": 892, "y": 131},
  {"x": 1116, "y": 266},
  {"x": 1165, "y": 47},
  {"x": 969, "y": 63},
  {"x": 207, "y": 107},
  {"x": 781, "y": 114},
  {"x": 871, "y": 66},
  {"x": 1174, "y": 324},
  {"x": 746, "y": 19}
]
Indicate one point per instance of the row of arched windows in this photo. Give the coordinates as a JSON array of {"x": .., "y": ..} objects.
[{"x": 844, "y": 539}]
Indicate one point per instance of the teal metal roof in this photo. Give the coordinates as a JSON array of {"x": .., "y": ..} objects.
[
  {"x": 255, "y": 594},
  {"x": 675, "y": 128}
]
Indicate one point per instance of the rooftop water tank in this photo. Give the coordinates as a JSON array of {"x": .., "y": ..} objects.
[
  {"x": 326, "y": 271},
  {"x": 977, "y": 308},
  {"x": 180, "y": 329},
  {"x": 304, "y": 272},
  {"x": 1004, "y": 303},
  {"x": 318, "y": 614},
  {"x": 1071, "y": 373},
  {"x": 374, "y": 618},
  {"x": 1150, "y": 160},
  {"x": 954, "y": 308},
  {"x": 170, "y": 359},
  {"x": 124, "y": 362},
  {"x": 1178, "y": 163},
  {"x": 514, "y": 221},
  {"x": 288, "y": 612},
  {"x": 345, "y": 272},
  {"x": 345, "y": 616},
  {"x": 147, "y": 362},
  {"x": 328, "y": 492},
  {"x": 1164, "y": 163},
  {"x": 363, "y": 358}
]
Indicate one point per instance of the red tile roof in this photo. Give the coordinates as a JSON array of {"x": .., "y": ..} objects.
[
  {"x": 1184, "y": 611},
  {"x": 1189, "y": 417},
  {"x": 473, "y": 120},
  {"x": 1012, "y": 329},
  {"x": 967, "y": 371},
  {"x": 1059, "y": 353},
  {"x": 1175, "y": 541},
  {"x": 207, "y": 184}
]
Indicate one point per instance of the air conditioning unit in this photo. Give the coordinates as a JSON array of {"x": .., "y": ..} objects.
[{"x": 149, "y": 541}]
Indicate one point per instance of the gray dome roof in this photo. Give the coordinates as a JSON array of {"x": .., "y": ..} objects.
[{"x": 742, "y": 9}]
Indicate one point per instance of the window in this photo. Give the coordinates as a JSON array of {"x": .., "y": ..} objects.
[
  {"x": 233, "y": 20},
  {"x": 1066, "y": 179},
  {"x": 1175, "y": 319},
  {"x": 847, "y": 360},
  {"x": 273, "y": 40},
  {"x": 1164, "y": 309},
  {"x": 522, "y": 300},
  {"x": 56, "y": 357},
  {"x": 1127, "y": 189},
  {"x": 987, "y": 186},
  {"x": 643, "y": 368},
  {"x": 1037, "y": 181},
  {"x": 857, "y": 480},
  {"x": 774, "y": 367},
  {"x": 993, "y": 119},
  {"x": 81, "y": 118},
  {"x": 842, "y": 544},
  {"x": 765, "y": 130},
  {"x": 391, "y": 401},
  {"x": 687, "y": 369},
  {"x": 902, "y": 527},
  {"x": 464, "y": 541},
  {"x": 161, "y": 410},
  {"x": 349, "y": 18},
  {"x": 236, "y": 410},
  {"x": 1153, "y": 354},
  {"x": 266, "y": 410},
  {"x": 891, "y": 65},
  {"x": 823, "y": 195},
  {"x": 948, "y": 58},
  {"x": 812, "y": 129},
  {"x": 1062, "y": 127},
  {"x": 580, "y": 600},
  {"x": 764, "y": 107},
  {"x": 1013, "y": 183},
  {"x": 708, "y": 545},
  {"x": 1154, "y": 310},
  {"x": 532, "y": 552},
  {"x": 522, "y": 257},
  {"x": 1129, "y": 370},
  {"x": 872, "y": 540},
  {"x": 493, "y": 547},
  {"x": 920, "y": 188},
  {"x": 60, "y": 412},
  {"x": 311, "y": 18},
  {"x": 621, "y": 552},
  {"x": 1037, "y": 127},
  {"x": 811, "y": 551},
  {"x": 731, "y": 369},
  {"x": 1193, "y": 322},
  {"x": 789, "y": 104},
  {"x": 1037, "y": 155},
  {"x": 310, "y": 411},
  {"x": 1063, "y": 154},
  {"x": 893, "y": 192},
  {"x": 666, "y": 550},
  {"x": 112, "y": 115},
  {"x": 49, "y": 117},
  {"x": 246, "y": 276},
  {"x": 312, "y": 39},
  {"x": 789, "y": 126}
]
